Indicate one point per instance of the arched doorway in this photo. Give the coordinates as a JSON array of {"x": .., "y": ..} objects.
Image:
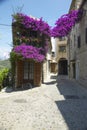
[{"x": 62, "y": 67}]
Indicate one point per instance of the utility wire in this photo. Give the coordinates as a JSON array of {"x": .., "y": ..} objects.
[{"x": 5, "y": 25}]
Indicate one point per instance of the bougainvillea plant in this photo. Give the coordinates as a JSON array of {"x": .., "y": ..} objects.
[
  {"x": 62, "y": 28},
  {"x": 28, "y": 40},
  {"x": 32, "y": 23},
  {"x": 30, "y": 52},
  {"x": 65, "y": 23},
  {"x": 29, "y": 47}
]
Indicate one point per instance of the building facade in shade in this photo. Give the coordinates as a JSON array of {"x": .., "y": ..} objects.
[
  {"x": 77, "y": 45},
  {"x": 59, "y": 55}
]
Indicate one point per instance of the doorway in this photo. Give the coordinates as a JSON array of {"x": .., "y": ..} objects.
[
  {"x": 62, "y": 67},
  {"x": 74, "y": 70}
]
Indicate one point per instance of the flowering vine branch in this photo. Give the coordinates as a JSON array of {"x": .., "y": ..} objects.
[
  {"x": 29, "y": 52},
  {"x": 38, "y": 52},
  {"x": 65, "y": 23},
  {"x": 32, "y": 23}
]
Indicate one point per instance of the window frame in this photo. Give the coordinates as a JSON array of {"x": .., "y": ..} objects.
[
  {"x": 86, "y": 35},
  {"x": 79, "y": 41},
  {"x": 62, "y": 48},
  {"x": 28, "y": 70}
]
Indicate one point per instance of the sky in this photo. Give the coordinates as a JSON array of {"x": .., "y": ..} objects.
[{"x": 49, "y": 10}]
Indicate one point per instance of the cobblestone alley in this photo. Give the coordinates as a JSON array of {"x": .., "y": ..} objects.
[{"x": 60, "y": 104}]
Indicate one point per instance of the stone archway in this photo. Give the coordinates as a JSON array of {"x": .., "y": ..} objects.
[{"x": 63, "y": 66}]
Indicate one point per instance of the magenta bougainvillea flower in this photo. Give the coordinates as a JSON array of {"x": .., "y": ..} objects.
[
  {"x": 30, "y": 52},
  {"x": 62, "y": 28},
  {"x": 33, "y": 23},
  {"x": 31, "y": 48},
  {"x": 65, "y": 23}
]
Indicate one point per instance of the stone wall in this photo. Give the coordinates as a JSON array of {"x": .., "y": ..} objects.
[
  {"x": 78, "y": 54},
  {"x": 82, "y": 51}
]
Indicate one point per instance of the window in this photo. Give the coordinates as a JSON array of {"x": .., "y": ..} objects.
[
  {"x": 70, "y": 44},
  {"x": 62, "y": 38},
  {"x": 74, "y": 39},
  {"x": 28, "y": 70},
  {"x": 86, "y": 35},
  {"x": 62, "y": 48},
  {"x": 79, "y": 41}
]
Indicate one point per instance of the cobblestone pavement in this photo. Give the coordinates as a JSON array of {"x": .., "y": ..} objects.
[{"x": 60, "y": 104}]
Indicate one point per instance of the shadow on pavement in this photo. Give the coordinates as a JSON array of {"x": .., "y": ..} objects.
[
  {"x": 53, "y": 80},
  {"x": 68, "y": 87},
  {"x": 50, "y": 83},
  {"x": 53, "y": 77},
  {"x": 10, "y": 89},
  {"x": 74, "y": 107},
  {"x": 74, "y": 113}
]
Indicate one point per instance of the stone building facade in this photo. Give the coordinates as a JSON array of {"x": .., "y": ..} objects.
[
  {"x": 77, "y": 45},
  {"x": 82, "y": 46},
  {"x": 60, "y": 58}
]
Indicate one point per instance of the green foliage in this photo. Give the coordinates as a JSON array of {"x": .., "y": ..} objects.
[
  {"x": 12, "y": 56},
  {"x": 5, "y": 64},
  {"x": 3, "y": 75},
  {"x": 17, "y": 18}
]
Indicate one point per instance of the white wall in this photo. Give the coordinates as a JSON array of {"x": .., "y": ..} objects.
[{"x": 54, "y": 42}]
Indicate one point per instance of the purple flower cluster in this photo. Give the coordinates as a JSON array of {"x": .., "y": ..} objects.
[
  {"x": 65, "y": 23},
  {"x": 33, "y": 23},
  {"x": 29, "y": 52},
  {"x": 62, "y": 28}
]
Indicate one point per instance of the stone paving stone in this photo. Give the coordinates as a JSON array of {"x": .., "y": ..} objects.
[{"x": 59, "y": 104}]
